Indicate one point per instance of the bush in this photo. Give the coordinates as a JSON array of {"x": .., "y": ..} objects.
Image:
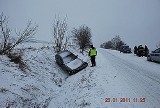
[
  {"x": 16, "y": 57},
  {"x": 8, "y": 43},
  {"x": 59, "y": 30},
  {"x": 82, "y": 37}
]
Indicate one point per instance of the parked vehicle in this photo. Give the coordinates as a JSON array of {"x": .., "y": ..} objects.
[
  {"x": 70, "y": 62},
  {"x": 141, "y": 51},
  {"x": 125, "y": 49},
  {"x": 154, "y": 55}
]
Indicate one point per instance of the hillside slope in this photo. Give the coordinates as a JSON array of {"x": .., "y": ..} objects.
[
  {"x": 118, "y": 80},
  {"x": 33, "y": 88}
]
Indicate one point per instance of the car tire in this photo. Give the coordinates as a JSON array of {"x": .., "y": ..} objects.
[
  {"x": 70, "y": 73},
  {"x": 149, "y": 59}
]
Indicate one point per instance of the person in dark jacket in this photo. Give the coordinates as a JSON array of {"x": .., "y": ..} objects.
[
  {"x": 141, "y": 51},
  {"x": 146, "y": 50},
  {"x": 92, "y": 53},
  {"x": 135, "y": 50}
]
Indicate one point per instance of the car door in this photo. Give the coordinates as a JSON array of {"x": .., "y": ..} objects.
[{"x": 156, "y": 55}]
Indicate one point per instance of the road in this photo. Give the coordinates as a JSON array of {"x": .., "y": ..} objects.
[{"x": 132, "y": 78}]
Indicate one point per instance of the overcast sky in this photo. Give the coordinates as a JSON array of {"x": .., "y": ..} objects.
[{"x": 135, "y": 21}]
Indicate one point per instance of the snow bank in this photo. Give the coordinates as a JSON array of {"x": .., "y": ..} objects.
[{"x": 34, "y": 88}]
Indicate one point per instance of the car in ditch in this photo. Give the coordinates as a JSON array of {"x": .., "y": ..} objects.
[
  {"x": 70, "y": 62},
  {"x": 154, "y": 56},
  {"x": 125, "y": 49}
]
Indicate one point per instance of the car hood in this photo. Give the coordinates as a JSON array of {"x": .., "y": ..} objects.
[{"x": 75, "y": 63}]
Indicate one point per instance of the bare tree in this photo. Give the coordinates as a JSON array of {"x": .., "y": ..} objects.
[
  {"x": 82, "y": 37},
  {"x": 5, "y": 32},
  {"x": 158, "y": 45},
  {"x": 117, "y": 42},
  {"x": 8, "y": 43},
  {"x": 59, "y": 34}
]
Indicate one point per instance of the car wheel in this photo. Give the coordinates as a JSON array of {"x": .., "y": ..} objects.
[
  {"x": 149, "y": 59},
  {"x": 70, "y": 73}
]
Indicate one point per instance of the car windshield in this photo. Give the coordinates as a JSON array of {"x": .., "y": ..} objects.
[
  {"x": 64, "y": 54},
  {"x": 69, "y": 58},
  {"x": 125, "y": 47}
]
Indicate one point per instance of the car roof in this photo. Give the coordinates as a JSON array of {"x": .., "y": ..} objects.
[
  {"x": 157, "y": 49},
  {"x": 75, "y": 63}
]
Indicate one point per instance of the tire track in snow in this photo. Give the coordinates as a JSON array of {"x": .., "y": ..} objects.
[
  {"x": 138, "y": 69},
  {"x": 141, "y": 81}
]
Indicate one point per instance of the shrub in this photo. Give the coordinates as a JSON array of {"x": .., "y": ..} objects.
[{"x": 16, "y": 56}]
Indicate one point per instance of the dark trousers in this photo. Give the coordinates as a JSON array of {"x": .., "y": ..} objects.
[{"x": 93, "y": 60}]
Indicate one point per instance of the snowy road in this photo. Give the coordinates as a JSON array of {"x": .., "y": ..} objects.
[{"x": 132, "y": 78}]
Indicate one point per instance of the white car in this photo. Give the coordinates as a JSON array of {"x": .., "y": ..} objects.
[{"x": 154, "y": 55}]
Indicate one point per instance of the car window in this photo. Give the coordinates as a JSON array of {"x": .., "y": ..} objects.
[
  {"x": 125, "y": 46},
  {"x": 157, "y": 51}
]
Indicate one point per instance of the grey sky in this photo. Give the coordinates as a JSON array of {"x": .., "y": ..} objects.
[{"x": 136, "y": 21}]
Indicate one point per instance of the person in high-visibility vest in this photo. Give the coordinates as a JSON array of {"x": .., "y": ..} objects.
[{"x": 92, "y": 54}]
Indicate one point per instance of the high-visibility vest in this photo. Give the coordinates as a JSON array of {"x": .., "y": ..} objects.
[{"x": 92, "y": 52}]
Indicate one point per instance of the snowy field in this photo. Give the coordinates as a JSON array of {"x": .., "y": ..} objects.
[{"x": 118, "y": 81}]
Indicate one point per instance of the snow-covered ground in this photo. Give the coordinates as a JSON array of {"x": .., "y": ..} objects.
[{"x": 118, "y": 81}]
